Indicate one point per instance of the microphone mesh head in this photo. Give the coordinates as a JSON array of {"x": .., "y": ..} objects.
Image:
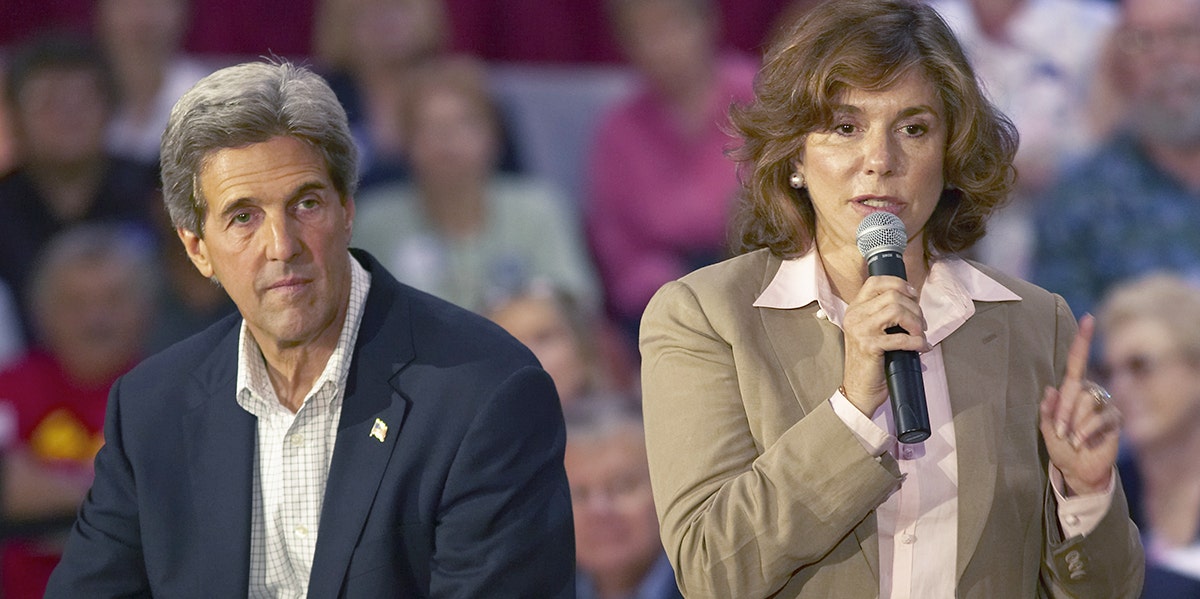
[{"x": 881, "y": 230}]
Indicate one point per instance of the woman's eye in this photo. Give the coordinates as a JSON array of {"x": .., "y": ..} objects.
[
  {"x": 914, "y": 130},
  {"x": 844, "y": 129}
]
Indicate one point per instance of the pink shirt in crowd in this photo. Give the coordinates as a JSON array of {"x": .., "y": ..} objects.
[{"x": 658, "y": 201}]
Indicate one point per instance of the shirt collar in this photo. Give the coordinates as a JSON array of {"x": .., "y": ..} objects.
[
  {"x": 254, "y": 391},
  {"x": 947, "y": 299}
]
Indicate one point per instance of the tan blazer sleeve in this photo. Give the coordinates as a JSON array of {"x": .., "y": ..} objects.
[
  {"x": 743, "y": 514},
  {"x": 1109, "y": 561}
]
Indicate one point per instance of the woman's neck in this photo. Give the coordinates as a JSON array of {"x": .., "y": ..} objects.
[{"x": 847, "y": 270}]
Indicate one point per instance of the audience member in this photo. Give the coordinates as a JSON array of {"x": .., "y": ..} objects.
[
  {"x": 371, "y": 48},
  {"x": 61, "y": 96},
  {"x": 1151, "y": 327},
  {"x": 570, "y": 342},
  {"x": 90, "y": 292},
  {"x": 1038, "y": 59},
  {"x": 1133, "y": 205},
  {"x": 187, "y": 302},
  {"x": 556, "y": 33},
  {"x": 660, "y": 189},
  {"x": 12, "y": 339},
  {"x": 8, "y": 142},
  {"x": 460, "y": 230},
  {"x": 617, "y": 549},
  {"x": 142, "y": 39}
]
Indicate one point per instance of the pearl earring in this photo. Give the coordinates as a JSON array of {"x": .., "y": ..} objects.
[{"x": 796, "y": 180}]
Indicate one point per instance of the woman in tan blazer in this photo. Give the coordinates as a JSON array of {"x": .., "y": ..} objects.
[{"x": 775, "y": 468}]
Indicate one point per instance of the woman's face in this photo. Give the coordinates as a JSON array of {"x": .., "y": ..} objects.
[
  {"x": 884, "y": 151},
  {"x": 1154, "y": 384}
]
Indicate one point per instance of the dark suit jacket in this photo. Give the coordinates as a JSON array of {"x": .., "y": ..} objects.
[{"x": 465, "y": 497}]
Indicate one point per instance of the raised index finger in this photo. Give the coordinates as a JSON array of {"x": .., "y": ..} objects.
[{"x": 1077, "y": 355}]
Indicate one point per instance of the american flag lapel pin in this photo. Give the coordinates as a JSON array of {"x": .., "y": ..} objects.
[{"x": 379, "y": 430}]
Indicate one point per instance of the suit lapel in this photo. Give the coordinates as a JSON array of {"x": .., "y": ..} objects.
[
  {"x": 219, "y": 438},
  {"x": 810, "y": 351},
  {"x": 360, "y": 457},
  {"x": 976, "y": 359}
]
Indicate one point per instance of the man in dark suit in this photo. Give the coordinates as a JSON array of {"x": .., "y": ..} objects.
[{"x": 343, "y": 435}]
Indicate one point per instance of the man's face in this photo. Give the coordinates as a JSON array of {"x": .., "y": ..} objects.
[
  {"x": 1161, "y": 44},
  {"x": 276, "y": 235}
]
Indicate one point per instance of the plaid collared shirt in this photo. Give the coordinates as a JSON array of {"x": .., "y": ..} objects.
[{"x": 293, "y": 455}]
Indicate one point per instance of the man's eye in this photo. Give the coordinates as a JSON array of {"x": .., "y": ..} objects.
[{"x": 241, "y": 218}]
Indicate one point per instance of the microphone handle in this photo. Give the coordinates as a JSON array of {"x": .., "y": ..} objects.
[{"x": 906, "y": 387}]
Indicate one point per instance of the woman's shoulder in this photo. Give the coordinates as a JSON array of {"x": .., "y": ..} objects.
[
  {"x": 1032, "y": 296},
  {"x": 743, "y": 268},
  {"x": 736, "y": 281}
]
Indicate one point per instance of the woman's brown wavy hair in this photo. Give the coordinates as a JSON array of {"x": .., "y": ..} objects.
[{"x": 867, "y": 45}]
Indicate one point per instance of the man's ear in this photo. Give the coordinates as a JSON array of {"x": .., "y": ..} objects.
[
  {"x": 348, "y": 206},
  {"x": 197, "y": 251}
]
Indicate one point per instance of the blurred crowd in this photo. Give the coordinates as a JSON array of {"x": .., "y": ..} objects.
[{"x": 550, "y": 165}]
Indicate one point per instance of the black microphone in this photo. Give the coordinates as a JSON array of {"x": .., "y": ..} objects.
[{"x": 881, "y": 239}]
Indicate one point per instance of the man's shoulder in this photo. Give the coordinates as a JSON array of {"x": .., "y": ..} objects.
[
  {"x": 437, "y": 329},
  {"x": 179, "y": 362}
]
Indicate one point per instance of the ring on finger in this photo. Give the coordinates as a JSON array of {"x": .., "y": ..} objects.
[{"x": 1099, "y": 394}]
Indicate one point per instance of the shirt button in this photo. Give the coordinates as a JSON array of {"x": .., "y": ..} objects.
[
  {"x": 908, "y": 539},
  {"x": 301, "y": 531},
  {"x": 297, "y": 439},
  {"x": 1072, "y": 520},
  {"x": 821, "y": 314}
]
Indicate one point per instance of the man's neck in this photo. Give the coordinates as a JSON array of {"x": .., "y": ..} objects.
[{"x": 293, "y": 368}]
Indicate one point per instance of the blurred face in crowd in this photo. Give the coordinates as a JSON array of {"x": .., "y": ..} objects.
[
  {"x": 669, "y": 41},
  {"x": 883, "y": 151},
  {"x": 93, "y": 317},
  {"x": 60, "y": 117},
  {"x": 132, "y": 28},
  {"x": 1155, "y": 384},
  {"x": 276, "y": 234},
  {"x": 1160, "y": 43},
  {"x": 616, "y": 529},
  {"x": 396, "y": 32},
  {"x": 539, "y": 323},
  {"x": 454, "y": 138}
]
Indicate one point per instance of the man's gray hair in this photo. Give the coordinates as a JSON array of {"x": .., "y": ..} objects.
[{"x": 246, "y": 104}]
